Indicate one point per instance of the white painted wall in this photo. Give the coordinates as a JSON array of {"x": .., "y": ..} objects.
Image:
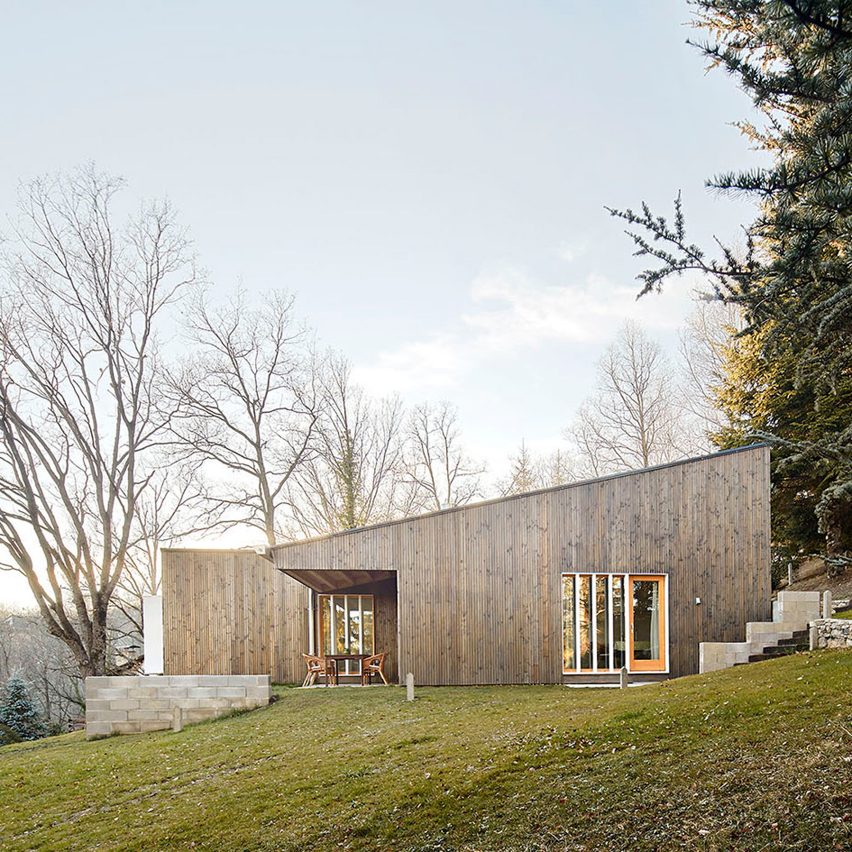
[{"x": 152, "y": 633}]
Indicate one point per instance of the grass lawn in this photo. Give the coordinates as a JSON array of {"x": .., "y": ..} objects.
[
  {"x": 755, "y": 757},
  {"x": 847, "y": 613}
]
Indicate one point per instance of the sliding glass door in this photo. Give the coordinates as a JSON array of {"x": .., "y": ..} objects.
[
  {"x": 346, "y": 625},
  {"x": 648, "y": 634},
  {"x": 613, "y": 620}
]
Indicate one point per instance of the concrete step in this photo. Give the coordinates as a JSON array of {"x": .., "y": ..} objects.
[
  {"x": 779, "y": 650},
  {"x": 772, "y": 631},
  {"x": 760, "y": 658},
  {"x": 772, "y": 652},
  {"x": 787, "y": 633},
  {"x": 798, "y": 639},
  {"x": 784, "y": 648}
]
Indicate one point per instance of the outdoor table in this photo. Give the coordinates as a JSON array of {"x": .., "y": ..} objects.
[{"x": 338, "y": 658}]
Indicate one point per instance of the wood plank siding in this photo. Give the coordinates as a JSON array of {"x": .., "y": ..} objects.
[
  {"x": 232, "y": 612},
  {"x": 479, "y": 587}
]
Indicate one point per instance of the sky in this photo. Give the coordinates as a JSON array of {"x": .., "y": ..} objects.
[{"x": 428, "y": 179}]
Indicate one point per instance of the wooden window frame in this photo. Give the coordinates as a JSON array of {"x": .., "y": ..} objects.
[
  {"x": 651, "y": 666},
  {"x": 639, "y": 666}
]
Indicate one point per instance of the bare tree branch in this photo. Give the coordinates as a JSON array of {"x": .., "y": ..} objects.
[
  {"x": 634, "y": 419},
  {"x": 80, "y": 400},
  {"x": 528, "y": 472},
  {"x": 248, "y": 405},
  {"x": 354, "y": 477},
  {"x": 436, "y": 465}
]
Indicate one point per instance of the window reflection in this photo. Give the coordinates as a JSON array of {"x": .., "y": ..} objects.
[
  {"x": 619, "y": 645},
  {"x": 602, "y": 621},
  {"x": 585, "y": 627},
  {"x": 613, "y": 620},
  {"x": 568, "y": 645},
  {"x": 346, "y": 625},
  {"x": 646, "y": 620}
]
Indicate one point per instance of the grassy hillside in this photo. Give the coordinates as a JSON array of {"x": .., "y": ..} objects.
[{"x": 754, "y": 757}]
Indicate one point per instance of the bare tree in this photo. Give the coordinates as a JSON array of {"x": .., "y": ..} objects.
[
  {"x": 353, "y": 477},
  {"x": 248, "y": 405},
  {"x": 635, "y": 418},
  {"x": 557, "y": 468},
  {"x": 704, "y": 340},
  {"x": 524, "y": 472},
  {"x": 441, "y": 472},
  {"x": 528, "y": 472},
  {"x": 174, "y": 505},
  {"x": 584, "y": 434},
  {"x": 80, "y": 403}
]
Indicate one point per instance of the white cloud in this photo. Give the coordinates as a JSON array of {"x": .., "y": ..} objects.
[
  {"x": 570, "y": 251},
  {"x": 510, "y": 312}
]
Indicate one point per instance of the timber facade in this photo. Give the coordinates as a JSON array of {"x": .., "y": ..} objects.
[{"x": 566, "y": 584}]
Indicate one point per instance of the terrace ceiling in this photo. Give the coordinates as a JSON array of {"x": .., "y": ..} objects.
[{"x": 326, "y": 582}]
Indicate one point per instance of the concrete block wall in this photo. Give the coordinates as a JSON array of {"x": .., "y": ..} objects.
[
  {"x": 141, "y": 703},
  {"x": 713, "y": 656},
  {"x": 793, "y": 611},
  {"x": 799, "y": 606}
]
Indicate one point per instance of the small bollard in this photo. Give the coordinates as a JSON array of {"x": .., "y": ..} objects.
[
  {"x": 409, "y": 687},
  {"x": 812, "y": 638},
  {"x": 177, "y": 719},
  {"x": 623, "y": 678},
  {"x": 826, "y": 604}
]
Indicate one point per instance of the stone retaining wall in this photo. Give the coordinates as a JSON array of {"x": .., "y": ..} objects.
[
  {"x": 831, "y": 633},
  {"x": 133, "y": 705}
]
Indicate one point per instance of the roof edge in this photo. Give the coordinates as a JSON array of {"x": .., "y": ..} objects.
[
  {"x": 261, "y": 551},
  {"x": 492, "y": 500}
]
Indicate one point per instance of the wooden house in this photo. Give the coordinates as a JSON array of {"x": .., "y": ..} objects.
[{"x": 566, "y": 584}]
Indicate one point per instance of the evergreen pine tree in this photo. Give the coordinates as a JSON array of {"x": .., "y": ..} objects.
[
  {"x": 19, "y": 713},
  {"x": 790, "y": 373},
  {"x": 7, "y": 735}
]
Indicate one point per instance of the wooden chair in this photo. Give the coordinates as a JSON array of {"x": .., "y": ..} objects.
[
  {"x": 319, "y": 667},
  {"x": 373, "y": 665}
]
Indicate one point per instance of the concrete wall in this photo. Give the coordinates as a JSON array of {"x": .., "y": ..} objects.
[
  {"x": 832, "y": 633},
  {"x": 798, "y": 607},
  {"x": 793, "y": 611},
  {"x": 133, "y": 705}
]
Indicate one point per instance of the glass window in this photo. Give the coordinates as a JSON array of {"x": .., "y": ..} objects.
[
  {"x": 346, "y": 625},
  {"x": 619, "y": 646},
  {"x": 353, "y": 624},
  {"x": 568, "y": 648},
  {"x": 585, "y": 626},
  {"x": 325, "y": 624},
  {"x": 647, "y": 631},
  {"x": 339, "y": 642},
  {"x": 602, "y": 621},
  {"x": 367, "y": 642},
  {"x": 613, "y": 620}
]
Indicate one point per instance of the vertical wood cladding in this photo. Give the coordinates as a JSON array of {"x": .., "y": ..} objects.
[
  {"x": 479, "y": 587},
  {"x": 231, "y": 612}
]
